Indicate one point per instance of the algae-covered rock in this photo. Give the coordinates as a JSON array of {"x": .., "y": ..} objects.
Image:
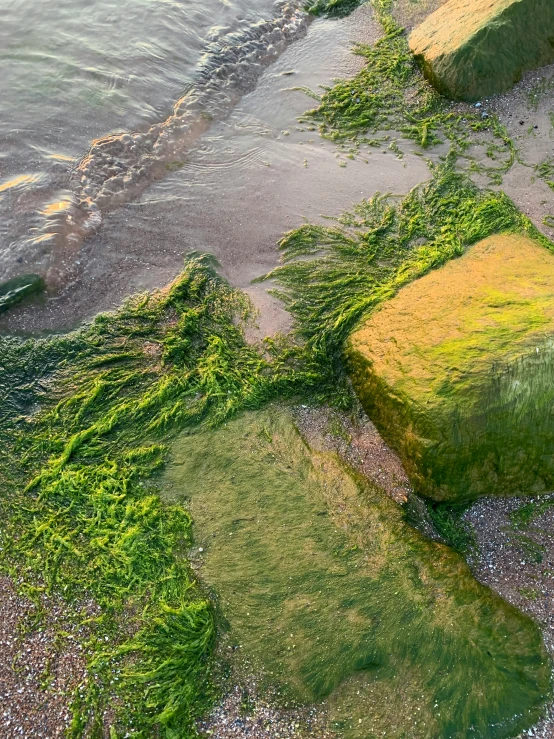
[
  {"x": 470, "y": 49},
  {"x": 457, "y": 371},
  {"x": 329, "y": 595},
  {"x": 18, "y": 288}
]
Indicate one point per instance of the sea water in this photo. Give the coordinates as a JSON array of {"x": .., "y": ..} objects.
[{"x": 98, "y": 99}]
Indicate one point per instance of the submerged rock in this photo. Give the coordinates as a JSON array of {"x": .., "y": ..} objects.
[
  {"x": 471, "y": 49},
  {"x": 326, "y": 594},
  {"x": 457, "y": 372},
  {"x": 18, "y": 288}
]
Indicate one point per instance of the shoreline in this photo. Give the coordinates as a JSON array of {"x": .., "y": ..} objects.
[{"x": 290, "y": 167}]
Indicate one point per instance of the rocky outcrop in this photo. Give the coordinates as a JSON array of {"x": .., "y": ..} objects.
[
  {"x": 470, "y": 49},
  {"x": 457, "y": 372}
]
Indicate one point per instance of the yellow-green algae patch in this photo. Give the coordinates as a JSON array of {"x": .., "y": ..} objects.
[
  {"x": 330, "y": 595},
  {"x": 475, "y": 48},
  {"x": 457, "y": 371}
]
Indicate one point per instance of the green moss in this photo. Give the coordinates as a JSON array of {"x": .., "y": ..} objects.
[
  {"x": 390, "y": 93},
  {"x": 471, "y": 50},
  {"x": 464, "y": 393},
  {"x": 330, "y": 595}
]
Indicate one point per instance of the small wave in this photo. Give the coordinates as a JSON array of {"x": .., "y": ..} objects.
[
  {"x": 118, "y": 168},
  {"x": 19, "y": 183}
]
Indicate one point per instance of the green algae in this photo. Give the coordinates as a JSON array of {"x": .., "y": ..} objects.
[
  {"x": 449, "y": 523},
  {"x": 333, "y": 8},
  {"x": 390, "y": 93},
  {"x": 464, "y": 394},
  {"x": 330, "y": 596},
  {"x": 545, "y": 171},
  {"x": 334, "y": 276},
  {"x": 19, "y": 288},
  {"x": 523, "y": 516},
  {"x": 84, "y": 419}
]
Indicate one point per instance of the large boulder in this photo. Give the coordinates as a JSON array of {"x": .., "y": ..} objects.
[
  {"x": 470, "y": 49},
  {"x": 327, "y": 595},
  {"x": 457, "y": 372}
]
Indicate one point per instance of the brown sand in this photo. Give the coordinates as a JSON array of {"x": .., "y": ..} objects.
[{"x": 252, "y": 178}]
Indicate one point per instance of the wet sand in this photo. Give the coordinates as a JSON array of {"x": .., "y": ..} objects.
[
  {"x": 251, "y": 178},
  {"x": 257, "y": 175}
]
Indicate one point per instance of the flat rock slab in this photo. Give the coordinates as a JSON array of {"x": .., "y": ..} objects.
[
  {"x": 471, "y": 49},
  {"x": 333, "y": 601},
  {"x": 457, "y": 372}
]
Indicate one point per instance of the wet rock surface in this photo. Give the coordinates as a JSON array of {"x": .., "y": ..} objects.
[
  {"x": 471, "y": 49},
  {"x": 455, "y": 372},
  {"x": 293, "y": 550}
]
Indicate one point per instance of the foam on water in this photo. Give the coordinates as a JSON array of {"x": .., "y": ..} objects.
[{"x": 118, "y": 168}]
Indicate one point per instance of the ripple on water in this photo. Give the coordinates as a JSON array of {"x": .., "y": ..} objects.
[{"x": 118, "y": 167}]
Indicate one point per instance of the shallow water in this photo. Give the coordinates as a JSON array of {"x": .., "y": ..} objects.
[
  {"x": 74, "y": 72},
  {"x": 251, "y": 176}
]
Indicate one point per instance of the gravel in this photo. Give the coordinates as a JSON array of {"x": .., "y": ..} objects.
[
  {"x": 356, "y": 440},
  {"x": 38, "y": 669},
  {"x": 244, "y": 715},
  {"x": 518, "y": 563}
]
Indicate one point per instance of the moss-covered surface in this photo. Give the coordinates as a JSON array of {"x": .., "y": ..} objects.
[
  {"x": 390, "y": 93},
  {"x": 330, "y": 595},
  {"x": 83, "y": 421},
  {"x": 335, "y": 276},
  {"x": 457, "y": 372},
  {"x": 471, "y": 49}
]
